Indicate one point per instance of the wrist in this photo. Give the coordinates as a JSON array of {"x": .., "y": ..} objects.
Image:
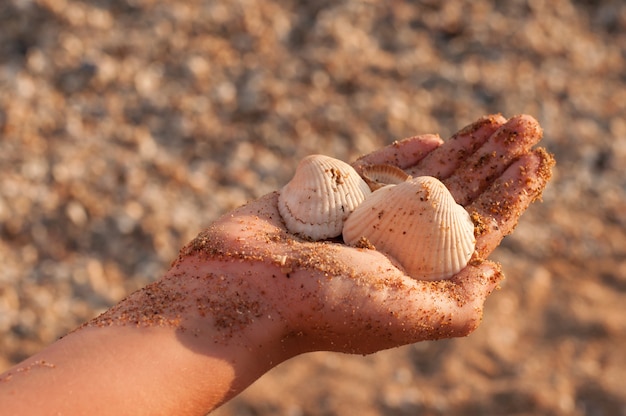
[
  {"x": 216, "y": 309},
  {"x": 226, "y": 313},
  {"x": 223, "y": 304}
]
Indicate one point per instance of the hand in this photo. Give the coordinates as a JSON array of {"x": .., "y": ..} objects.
[
  {"x": 246, "y": 295},
  {"x": 328, "y": 296}
]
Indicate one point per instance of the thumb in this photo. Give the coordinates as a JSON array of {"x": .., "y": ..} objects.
[{"x": 473, "y": 285}]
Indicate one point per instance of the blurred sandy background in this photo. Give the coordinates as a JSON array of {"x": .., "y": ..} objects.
[{"x": 128, "y": 126}]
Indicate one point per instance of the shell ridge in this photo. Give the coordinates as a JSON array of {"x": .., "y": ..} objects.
[{"x": 325, "y": 206}]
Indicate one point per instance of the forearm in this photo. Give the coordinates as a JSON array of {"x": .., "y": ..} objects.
[
  {"x": 117, "y": 370},
  {"x": 132, "y": 360}
]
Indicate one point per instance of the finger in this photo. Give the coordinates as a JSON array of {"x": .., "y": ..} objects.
[
  {"x": 442, "y": 161},
  {"x": 513, "y": 139},
  {"x": 443, "y": 309},
  {"x": 402, "y": 153},
  {"x": 477, "y": 280},
  {"x": 473, "y": 285},
  {"x": 394, "y": 309},
  {"x": 497, "y": 210}
]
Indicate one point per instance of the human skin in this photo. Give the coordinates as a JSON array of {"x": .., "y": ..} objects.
[{"x": 246, "y": 295}]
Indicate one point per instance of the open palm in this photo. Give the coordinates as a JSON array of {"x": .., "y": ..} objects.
[{"x": 328, "y": 296}]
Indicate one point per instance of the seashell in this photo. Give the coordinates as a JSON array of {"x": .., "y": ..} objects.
[
  {"x": 320, "y": 196},
  {"x": 380, "y": 175},
  {"x": 419, "y": 224}
]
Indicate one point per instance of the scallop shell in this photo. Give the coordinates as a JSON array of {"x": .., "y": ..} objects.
[
  {"x": 380, "y": 175},
  {"x": 419, "y": 224},
  {"x": 320, "y": 196}
]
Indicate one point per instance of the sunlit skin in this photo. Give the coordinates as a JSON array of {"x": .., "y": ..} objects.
[{"x": 246, "y": 295}]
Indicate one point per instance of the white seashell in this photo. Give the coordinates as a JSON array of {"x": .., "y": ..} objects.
[
  {"x": 320, "y": 196},
  {"x": 418, "y": 223},
  {"x": 380, "y": 175}
]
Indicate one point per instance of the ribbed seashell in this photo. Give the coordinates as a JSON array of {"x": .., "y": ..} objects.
[
  {"x": 322, "y": 194},
  {"x": 380, "y": 175},
  {"x": 418, "y": 223}
]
